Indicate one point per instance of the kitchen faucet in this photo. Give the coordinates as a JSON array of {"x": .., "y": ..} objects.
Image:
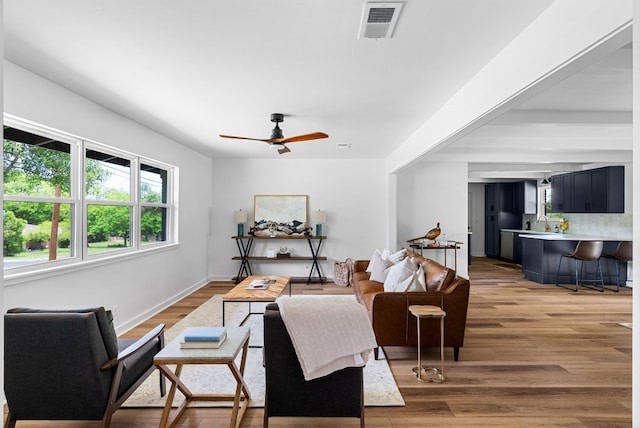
[{"x": 546, "y": 222}]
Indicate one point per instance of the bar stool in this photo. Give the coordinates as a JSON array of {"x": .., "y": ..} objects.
[
  {"x": 622, "y": 254},
  {"x": 429, "y": 311},
  {"x": 586, "y": 251}
]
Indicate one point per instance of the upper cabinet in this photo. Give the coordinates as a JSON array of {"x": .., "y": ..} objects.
[
  {"x": 561, "y": 193},
  {"x": 520, "y": 197},
  {"x": 525, "y": 197},
  {"x": 599, "y": 190},
  {"x": 505, "y": 190}
]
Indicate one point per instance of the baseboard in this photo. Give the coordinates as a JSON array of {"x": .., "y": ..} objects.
[{"x": 134, "y": 322}]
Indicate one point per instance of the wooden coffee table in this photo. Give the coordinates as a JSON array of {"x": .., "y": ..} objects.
[{"x": 240, "y": 293}]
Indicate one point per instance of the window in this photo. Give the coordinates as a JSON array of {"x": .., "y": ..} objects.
[
  {"x": 153, "y": 204},
  {"x": 67, "y": 200},
  {"x": 544, "y": 201}
]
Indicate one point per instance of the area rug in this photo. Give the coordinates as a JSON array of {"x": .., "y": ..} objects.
[{"x": 380, "y": 388}]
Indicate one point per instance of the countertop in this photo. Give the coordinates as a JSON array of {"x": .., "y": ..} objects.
[
  {"x": 531, "y": 232},
  {"x": 552, "y": 236},
  {"x": 571, "y": 237}
]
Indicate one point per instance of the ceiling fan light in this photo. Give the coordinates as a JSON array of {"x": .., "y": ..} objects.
[{"x": 277, "y": 146}]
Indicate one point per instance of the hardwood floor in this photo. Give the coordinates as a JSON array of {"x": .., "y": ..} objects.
[{"x": 534, "y": 355}]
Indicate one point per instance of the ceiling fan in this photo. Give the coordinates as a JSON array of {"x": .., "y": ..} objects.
[{"x": 277, "y": 140}]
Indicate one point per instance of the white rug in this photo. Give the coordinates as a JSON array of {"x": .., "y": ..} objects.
[{"x": 380, "y": 387}]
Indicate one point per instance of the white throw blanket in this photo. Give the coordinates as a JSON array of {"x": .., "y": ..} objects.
[{"x": 328, "y": 333}]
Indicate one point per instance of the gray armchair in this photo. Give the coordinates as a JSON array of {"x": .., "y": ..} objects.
[
  {"x": 70, "y": 365},
  {"x": 339, "y": 394}
]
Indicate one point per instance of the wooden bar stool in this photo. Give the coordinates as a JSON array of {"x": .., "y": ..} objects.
[
  {"x": 586, "y": 251},
  {"x": 622, "y": 254},
  {"x": 423, "y": 373}
]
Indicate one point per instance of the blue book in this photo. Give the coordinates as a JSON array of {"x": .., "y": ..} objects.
[{"x": 204, "y": 334}]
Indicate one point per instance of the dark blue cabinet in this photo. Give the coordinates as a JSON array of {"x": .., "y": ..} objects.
[
  {"x": 491, "y": 235},
  {"x": 599, "y": 190},
  {"x": 540, "y": 259},
  {"x": 525, "y": 197},
  {"x": 561, "y": 192},
  {"x": 491, "y": 201},
  {"x": 517, "y": 248},
  {"x": 505, "y": 192},
  {"x": 499, "y": 207}
]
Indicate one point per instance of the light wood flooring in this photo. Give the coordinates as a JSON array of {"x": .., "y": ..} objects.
[{"x": 534, "y": 356}]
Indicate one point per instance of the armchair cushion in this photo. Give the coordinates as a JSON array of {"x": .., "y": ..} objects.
[
  {"x": 104, "y": 318},
  {"x": 136, "y": 365}
]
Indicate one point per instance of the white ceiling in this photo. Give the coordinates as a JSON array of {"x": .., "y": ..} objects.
[{"x": 194, "y": 70}]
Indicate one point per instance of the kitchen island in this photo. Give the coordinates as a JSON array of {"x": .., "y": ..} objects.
[{"x": 541, "y": 254}]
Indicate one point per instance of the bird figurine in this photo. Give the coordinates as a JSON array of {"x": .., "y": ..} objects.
[
  {"x": 433, "y": 233},
  {"x": 430, "y": 235}
]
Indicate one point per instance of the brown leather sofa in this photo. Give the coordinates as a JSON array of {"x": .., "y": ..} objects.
[{"x": 392, "y": 322}]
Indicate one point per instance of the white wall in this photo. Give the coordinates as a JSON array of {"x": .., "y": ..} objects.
[
  {"x": 352, "y": 192},
  {"x": 431, "y": 193},
  {"x": 142, "y": 285}
]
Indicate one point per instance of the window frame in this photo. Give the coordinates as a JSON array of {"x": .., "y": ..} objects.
[
  {"x": 79, "y": 202},
  {"x": 171, "y": 234},
  {"x": 542, "y": 203}
]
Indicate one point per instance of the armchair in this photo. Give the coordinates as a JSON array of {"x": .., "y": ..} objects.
[
  {"x": 70, "y": 365},
  {"x": 339, "y": 394}
]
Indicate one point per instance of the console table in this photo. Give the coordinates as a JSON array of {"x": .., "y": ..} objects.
[
  {"x": 245, "y": 244},
  {"x": 452, "y": 245}
]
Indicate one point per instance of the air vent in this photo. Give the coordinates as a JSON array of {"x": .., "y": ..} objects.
[{"x": 379, "y": 20}]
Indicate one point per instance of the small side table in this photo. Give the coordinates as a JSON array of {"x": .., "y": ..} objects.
[
  {"x": 423, "y": 373},
  {"x": 237, "y": 341}
]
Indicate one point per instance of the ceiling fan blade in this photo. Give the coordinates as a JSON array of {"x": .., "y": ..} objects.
[
  {"x": 246, "y": 138},
  {"x": 284, "y": 150},
  {"x": 305, "y": 137}
]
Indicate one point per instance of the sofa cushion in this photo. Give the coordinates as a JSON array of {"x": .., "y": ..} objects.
[
  {"x": 367, "y": 286},
  {"x": 418, "y": 283},
  {"x": 361, "y": 276},
  {"x": 379, "y": 266},
  {"x": 401, "y": 276},
  {"x": 437, "y": 276},
  {"x": 397, "y": 257}
]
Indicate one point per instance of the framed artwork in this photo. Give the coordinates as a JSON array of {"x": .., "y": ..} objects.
[{"x": 280, "y": 214}]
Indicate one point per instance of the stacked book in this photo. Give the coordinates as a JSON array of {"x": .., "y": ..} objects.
[
  {"x": 203, "y": 337},
  {"x": 260, "y": 283}
]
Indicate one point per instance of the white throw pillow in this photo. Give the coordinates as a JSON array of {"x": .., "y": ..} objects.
[
  {"x": 372, "y": 261},
  {"x": 417, "y": 283},
  {"x": 378, "y": 267},
  {"x": 400, "y": 275},
  {"x": 398, "y": 256}
]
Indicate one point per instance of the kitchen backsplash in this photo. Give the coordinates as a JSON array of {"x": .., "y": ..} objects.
[{"x": 612, "y": 225}]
